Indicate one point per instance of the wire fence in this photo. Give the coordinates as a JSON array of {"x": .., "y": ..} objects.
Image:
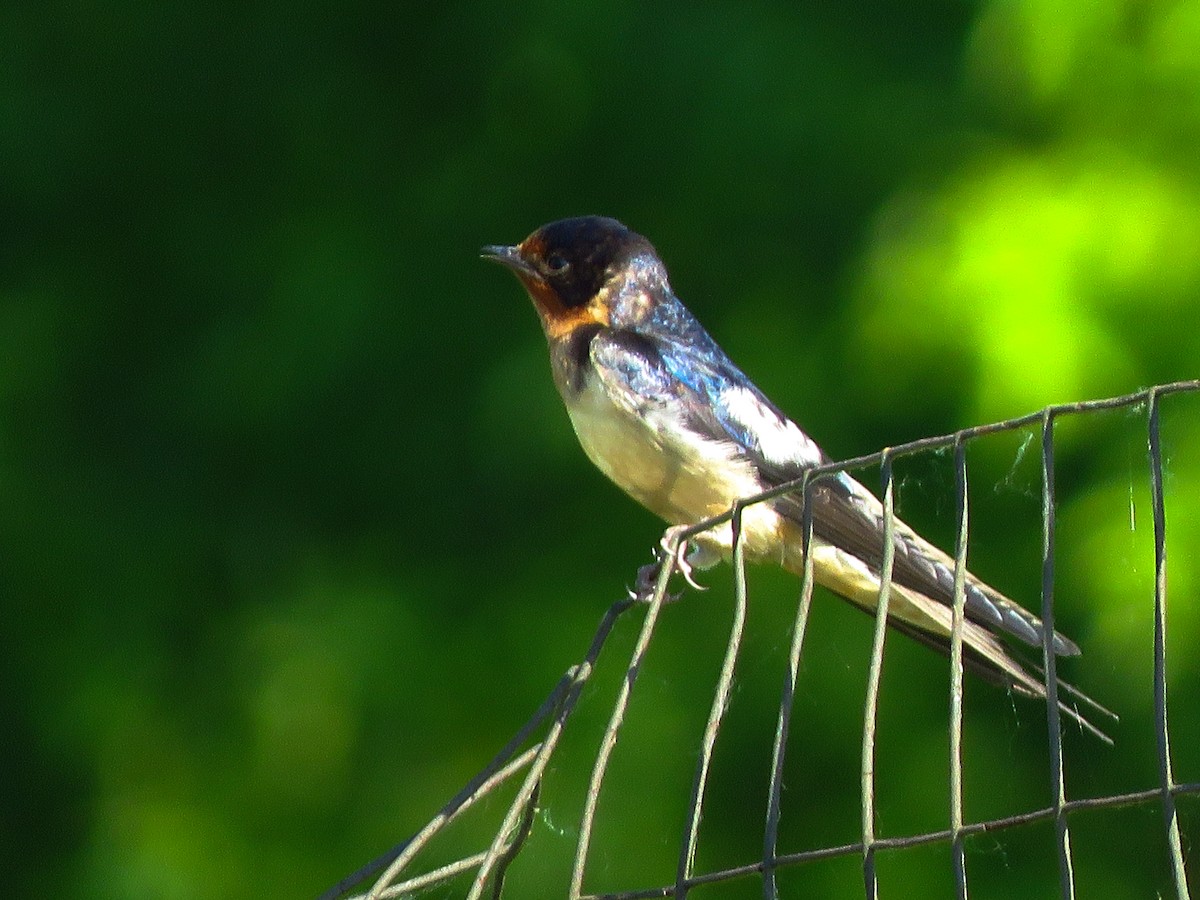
[{"x": 524, "y": 760}]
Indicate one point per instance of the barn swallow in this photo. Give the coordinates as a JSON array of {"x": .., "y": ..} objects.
[{"x": 662, "y": 411}]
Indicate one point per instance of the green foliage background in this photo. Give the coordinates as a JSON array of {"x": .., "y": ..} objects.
[{"x": 295, "y": 533}]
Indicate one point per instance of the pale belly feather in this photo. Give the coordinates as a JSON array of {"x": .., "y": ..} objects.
[{"x": 676, "y": 475}]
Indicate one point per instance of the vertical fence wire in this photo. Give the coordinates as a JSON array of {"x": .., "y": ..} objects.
[
  {"x": 609, "y": 741},
  {"x": 1066, "y": 867},
  {"x": 787, "y": 698},
  {"x": 1166, "y": 775},
  {"x": 957, "y": 848},
  {"x": 871, "y": 710},
  {"x": 687, "y": 854}
]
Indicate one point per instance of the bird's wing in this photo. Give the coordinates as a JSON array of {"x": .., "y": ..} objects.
[
  {"x": 702, "y": 395},
  {"x": 710, "y": 397}
]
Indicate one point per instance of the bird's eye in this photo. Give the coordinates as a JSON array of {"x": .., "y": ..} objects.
[{"x": 556, "y": 263}]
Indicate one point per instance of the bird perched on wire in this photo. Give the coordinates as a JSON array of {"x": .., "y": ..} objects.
[{"x": 662, "y": 411}]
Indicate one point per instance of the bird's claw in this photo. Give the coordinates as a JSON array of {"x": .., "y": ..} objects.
[
  {"x": 647, "y": 577},
  {"x": 682, "y": 565}
]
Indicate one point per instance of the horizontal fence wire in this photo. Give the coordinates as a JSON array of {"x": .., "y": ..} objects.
[{"x": 530, "y": 753}]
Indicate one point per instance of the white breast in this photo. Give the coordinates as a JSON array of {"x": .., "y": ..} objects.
[{"x": 671, "y": 471}]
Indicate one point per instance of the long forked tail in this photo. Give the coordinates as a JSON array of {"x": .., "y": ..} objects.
[{"x": 1022, "y": 678}]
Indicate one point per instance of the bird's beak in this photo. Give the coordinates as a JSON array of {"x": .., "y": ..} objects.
[{"x": 507, "y": 256}]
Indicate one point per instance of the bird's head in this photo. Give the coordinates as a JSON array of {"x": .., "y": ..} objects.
[{"x": 585, "y": 270}]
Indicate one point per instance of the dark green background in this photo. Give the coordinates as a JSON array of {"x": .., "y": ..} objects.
[{"x": 295, "y": 533}]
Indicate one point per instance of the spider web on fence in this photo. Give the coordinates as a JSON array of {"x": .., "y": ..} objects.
[{"x": 524, "y": 760}]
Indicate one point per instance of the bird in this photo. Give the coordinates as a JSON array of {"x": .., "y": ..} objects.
[{"x": 665, "y": 414}]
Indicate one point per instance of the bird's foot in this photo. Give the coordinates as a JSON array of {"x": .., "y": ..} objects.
[
  {"x": 647, "y": 583},
  {"x": 682, "y": 555},
  {"x": 685, "y": 560}
]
